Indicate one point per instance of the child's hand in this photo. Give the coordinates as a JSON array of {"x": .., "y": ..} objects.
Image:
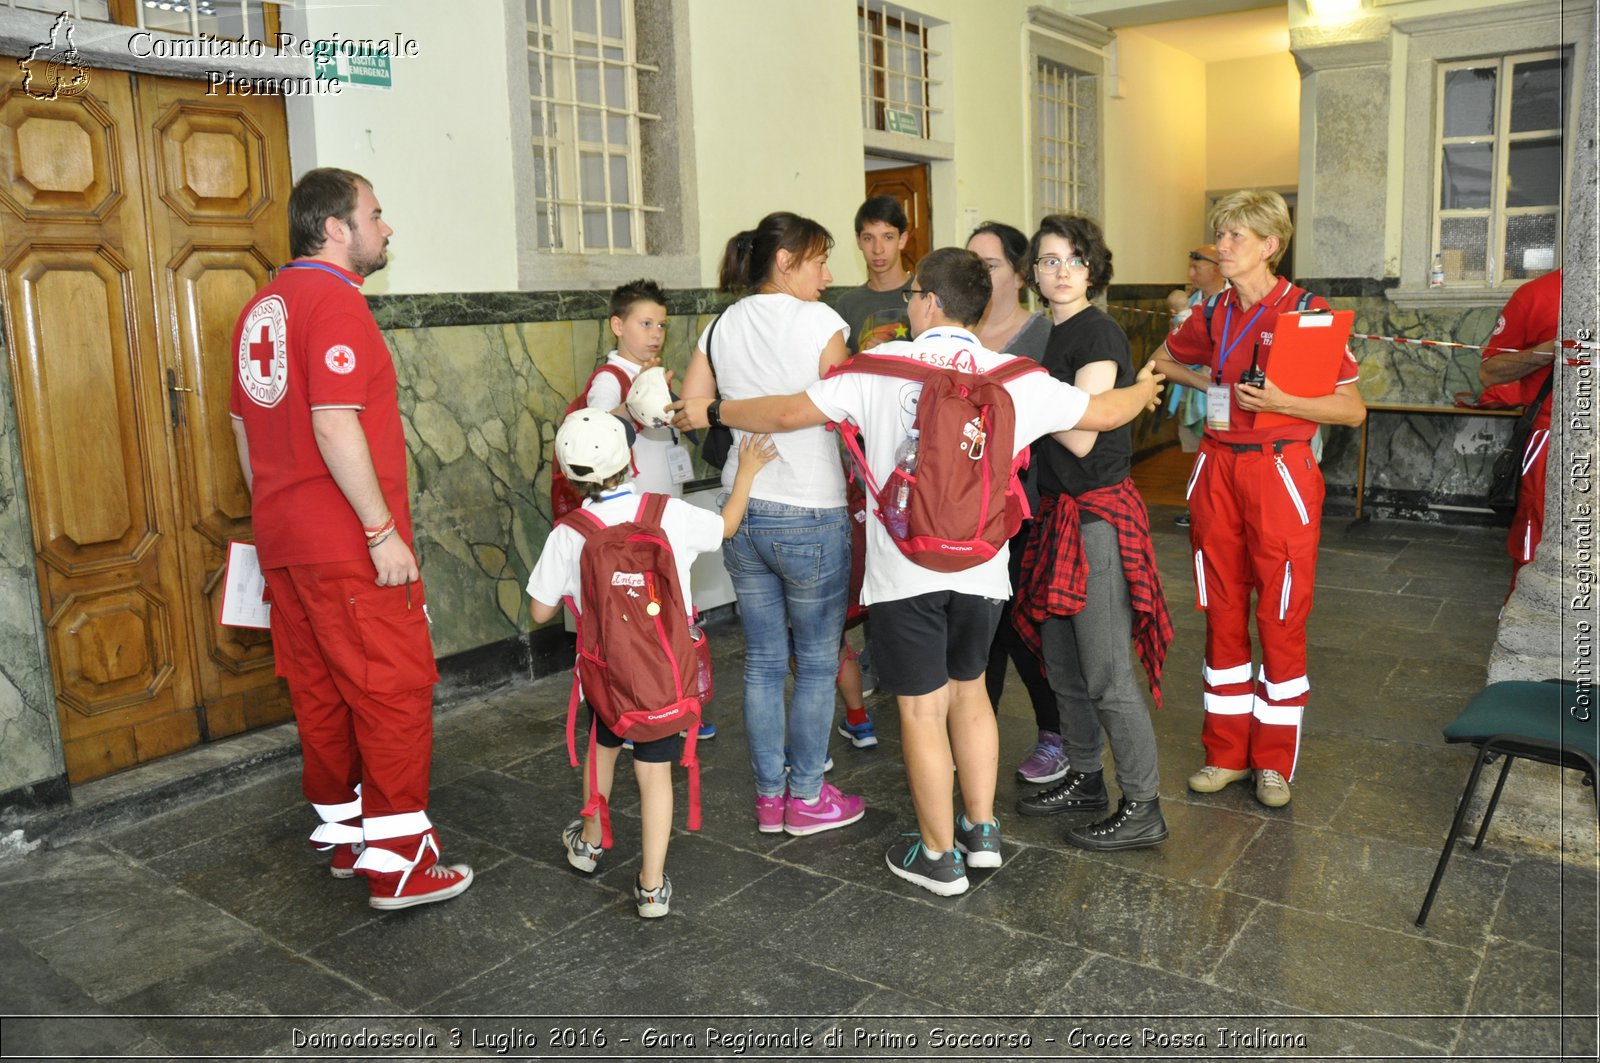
[{"x": 758, "y": 451}]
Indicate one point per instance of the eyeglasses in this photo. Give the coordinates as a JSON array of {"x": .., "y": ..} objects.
[
  {"x": 907, "y": 293},
  {"x": 1052, "y": 264},
  {"x": 1195, "y": 256}
]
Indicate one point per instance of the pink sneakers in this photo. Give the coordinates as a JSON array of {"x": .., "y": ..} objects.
[
  {"x": 769, "y": 814},
  {"x": 831, "y": 809}
]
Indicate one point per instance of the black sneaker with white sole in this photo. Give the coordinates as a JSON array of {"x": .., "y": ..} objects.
[{"x": 946, "y": 876}]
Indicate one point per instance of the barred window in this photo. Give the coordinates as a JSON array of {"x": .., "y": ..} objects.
[
  {"x": 895, "y": 63},
  {"x": 1499, "y": 163},
  {"x": 1061, "y": 160},
  {"x": 583, "y": 90}
]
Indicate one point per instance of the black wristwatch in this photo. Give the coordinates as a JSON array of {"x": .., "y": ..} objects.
[{"x": 714, "y": 413}]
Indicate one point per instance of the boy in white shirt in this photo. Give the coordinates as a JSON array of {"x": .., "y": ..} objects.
[
  {"x": 639, "y": 323},
  {"x": 593, "y": 450},
  {"x": 932, "y": 630}
]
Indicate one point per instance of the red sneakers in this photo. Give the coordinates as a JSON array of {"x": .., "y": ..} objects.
[
  {"x": 343, "y": 862},
  {"x": 435, "y": 883}
]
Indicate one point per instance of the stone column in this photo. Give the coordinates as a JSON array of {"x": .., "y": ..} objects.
[{"x": 1548, "y": 627}]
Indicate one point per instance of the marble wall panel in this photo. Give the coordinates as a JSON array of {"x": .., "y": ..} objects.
[
  {"x": 30, "y": 745},
  {"x": 1429, "y": 458},
  {"x": 481, "y": 405}
]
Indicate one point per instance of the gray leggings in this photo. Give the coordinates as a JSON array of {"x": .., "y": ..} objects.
[{"x": 1088, "y": 659}]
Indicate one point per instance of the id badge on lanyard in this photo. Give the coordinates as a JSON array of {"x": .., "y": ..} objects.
[
  {"x": 1219, "y": 407},
  {"x": 1219, "y": 396},
  {"x": 679, "y": 465}
]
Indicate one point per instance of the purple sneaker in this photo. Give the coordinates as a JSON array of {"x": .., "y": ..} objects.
[
  {"x": 831, "y": 809},
  {"x": 1045, "y": 762},
  {"x": 769, "y": 814}
]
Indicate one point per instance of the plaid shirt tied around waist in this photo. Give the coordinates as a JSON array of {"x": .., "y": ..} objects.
[{"x": 1055, "y": 572}]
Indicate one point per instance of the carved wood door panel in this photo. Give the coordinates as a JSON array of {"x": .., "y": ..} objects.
[
  {"x": 217, "y": 173},
  {"x": 102, "y": 275},
  {"x": 908, "y": 184}
]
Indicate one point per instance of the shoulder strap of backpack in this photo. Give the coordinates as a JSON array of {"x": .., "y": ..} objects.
[
  {"x": 624, "y": 381},
  {"x": 1209, "y": 307},
  {"x": 885, "y": 365},
  {"x": 1303, "y": 303},
  {"x": 1017, "y": 366},
  {"x": 583, "y": 522},
  {"x": 652, "y": 507}
]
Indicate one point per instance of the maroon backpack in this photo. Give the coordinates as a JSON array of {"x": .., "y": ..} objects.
[
  {"x": 644, "y": 669},
  {"x": 966, "y": 499},
  {"x": 564, "y": 498}
]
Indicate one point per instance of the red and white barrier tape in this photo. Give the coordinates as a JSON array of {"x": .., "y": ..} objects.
[{"x": 1581, "y": 345}]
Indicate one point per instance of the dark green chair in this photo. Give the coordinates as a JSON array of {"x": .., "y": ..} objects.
[{"x": 1551, "y": 722}]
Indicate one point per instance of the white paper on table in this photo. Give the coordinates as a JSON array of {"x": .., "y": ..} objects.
[{"x": 244, "y": 589}]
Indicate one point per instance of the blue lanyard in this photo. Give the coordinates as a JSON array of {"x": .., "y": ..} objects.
[
  {"x": 323, "y": 268},
  {"x": 1227, "y": 319}
]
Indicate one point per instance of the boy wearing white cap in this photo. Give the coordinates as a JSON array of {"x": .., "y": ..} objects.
[{"x": 593, "y": 450}]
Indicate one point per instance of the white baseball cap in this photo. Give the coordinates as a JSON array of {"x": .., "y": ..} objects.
[
  {"x": 595, "y": 441},
  {"x": 648, "y": 397}
]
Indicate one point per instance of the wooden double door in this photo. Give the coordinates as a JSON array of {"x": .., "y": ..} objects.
[{"x": 136, "y": 219}]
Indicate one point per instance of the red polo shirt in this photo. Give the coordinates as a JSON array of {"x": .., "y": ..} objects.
[
  {"x": 1531, "y": 316},
  {"x": 1235, "y": 332},
  {"x": 308, "y": 341}
]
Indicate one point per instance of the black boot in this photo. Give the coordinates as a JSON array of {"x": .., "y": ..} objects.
[
  {"x": 1080, "y": 791},
  {"x": 1134, "y": 825}
]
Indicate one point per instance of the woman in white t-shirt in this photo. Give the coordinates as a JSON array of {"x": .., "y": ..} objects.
[{"x": 790, "y": 560}]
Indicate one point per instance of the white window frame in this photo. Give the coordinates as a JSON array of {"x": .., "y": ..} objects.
[
  {"x": 1537, "y": 26},
  {"x": 1497, "y": 214},
  {"x": 562, "y": 208}
]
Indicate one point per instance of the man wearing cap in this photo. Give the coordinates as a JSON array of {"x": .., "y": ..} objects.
[
  {"x": 317, "y": 424},
  {"x": 1188, "y": 405}
]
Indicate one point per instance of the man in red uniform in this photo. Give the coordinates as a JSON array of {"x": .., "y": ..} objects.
[
  {"x": 1256, "y": 498},
  {"x": 317, "y": 423},
  {"x": 1516, "y": 363}
]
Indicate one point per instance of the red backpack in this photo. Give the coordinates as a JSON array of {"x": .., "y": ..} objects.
[
  {"x": 564, "y": 498},
  {"x": 644, "y": 669},
  {"x": 966, "y": 500}
]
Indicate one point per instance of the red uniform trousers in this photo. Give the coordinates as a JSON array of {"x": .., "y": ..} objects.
[
  {"x": 1527, "y": 523},
  {"x": 1257, "y": 520},
  {"x": 359, "y": 663}
]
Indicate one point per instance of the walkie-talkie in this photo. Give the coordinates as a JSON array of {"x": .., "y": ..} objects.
[{"x": 1255, "y": 376}]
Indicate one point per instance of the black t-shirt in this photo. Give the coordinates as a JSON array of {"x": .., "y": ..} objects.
[{"x": 1087, "y": 337}]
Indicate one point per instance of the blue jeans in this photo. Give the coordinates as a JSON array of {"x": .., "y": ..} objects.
[{"x": 790, "y": 567}]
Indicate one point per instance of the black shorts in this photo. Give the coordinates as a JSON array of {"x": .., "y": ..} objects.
[
  {"x": 921, "y": 643},
  {"x": 661, "y": 751}
]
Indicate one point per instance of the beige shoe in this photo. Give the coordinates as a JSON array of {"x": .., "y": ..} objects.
[
  {"x": 1210, "y": 779},
  {"x": 1272, "y": 789}
]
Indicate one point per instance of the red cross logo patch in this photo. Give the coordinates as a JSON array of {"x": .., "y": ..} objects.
[
  {"x": 340, "y": 359},
  {"x": 263, "y": 352}
]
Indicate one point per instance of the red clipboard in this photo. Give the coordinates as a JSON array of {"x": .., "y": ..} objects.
[{"x": 1307, "y": 349}]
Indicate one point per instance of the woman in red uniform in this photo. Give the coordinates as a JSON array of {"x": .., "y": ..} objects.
[{"x": 1255, "y": 497}]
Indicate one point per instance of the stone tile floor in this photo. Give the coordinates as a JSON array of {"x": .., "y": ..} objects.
[{"x": 200, "y": 925}]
